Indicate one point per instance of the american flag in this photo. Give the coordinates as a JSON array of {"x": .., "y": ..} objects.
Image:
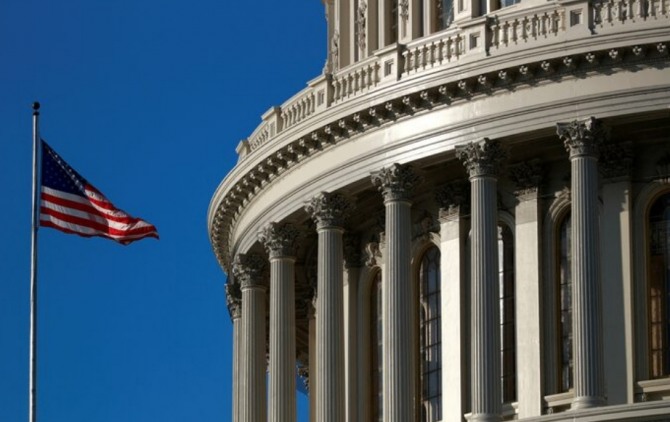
[{"x": 72, "y": 205}]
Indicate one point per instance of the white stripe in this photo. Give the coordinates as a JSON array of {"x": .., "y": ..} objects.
[
  {"x": 96, "y": 218},
  {"x": 87, "y": 230},
  {"x": 65, "y": 195},
  {"x": 84, "y": 201}
]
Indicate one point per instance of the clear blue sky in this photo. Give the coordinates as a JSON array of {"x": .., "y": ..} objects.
[{"x": 147, "y": 99}]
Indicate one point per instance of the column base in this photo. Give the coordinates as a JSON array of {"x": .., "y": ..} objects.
[
  {"x": 485, "y": 417},
  {"x": 587, "y": 402}
]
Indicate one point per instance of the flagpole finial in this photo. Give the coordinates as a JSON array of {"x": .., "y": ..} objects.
[{"x": 36, "y": 107}]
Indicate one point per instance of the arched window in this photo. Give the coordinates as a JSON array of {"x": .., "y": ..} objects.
[
  {"x": 376, "y": 349},
  {"x": 659, "y": 287},
  {"x": 507, "y": 313},
  {"x": 564, "y": 276},
  {"x": 430, "y": 340}
]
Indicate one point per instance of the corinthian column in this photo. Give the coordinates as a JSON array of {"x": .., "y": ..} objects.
[
  {"x": 235, "y": 309},
  {"x": 248, "y": 271},
  {"x": 581, "y": 139},
  {"x": 329, "y": 211},
  {"x": 280, "y": 240},
  {"x": 482, "y": 161},
  {"x": 398, "y": 308}
]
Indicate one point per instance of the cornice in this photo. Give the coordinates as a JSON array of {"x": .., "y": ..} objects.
[{"x": 248, "y": 178}]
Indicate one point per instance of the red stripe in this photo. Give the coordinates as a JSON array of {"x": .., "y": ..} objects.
[
  {"x": 86, "y": 208},
  {"x": 95, "y": 225},
  {"x": 123, "y": 241}
]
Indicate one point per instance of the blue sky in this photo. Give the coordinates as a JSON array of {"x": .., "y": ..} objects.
[{"x": 147, "y": 99}]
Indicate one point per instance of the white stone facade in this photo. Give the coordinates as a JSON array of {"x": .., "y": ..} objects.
[{"x": 465, "y": 217}]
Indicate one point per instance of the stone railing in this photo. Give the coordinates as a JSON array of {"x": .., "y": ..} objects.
[
  {"x": 356, "y": 79},
  {"x": 608, "y": 13},
  {"x": 508, "y": 30},
  {"x": 526, "y": 26},
  {"x": 298, "y": 108},
  {"x": 435, "y": 50}
]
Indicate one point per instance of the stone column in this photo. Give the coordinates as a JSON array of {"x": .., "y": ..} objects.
[
  {"x": 280, "y": 240},
  {"x": 233, "y": 299},
  {"x": 398, "y": 305},
  {"x": 615, "y": 164},
  {"x": 482, "y": 161},
  {"x": 528, "y": 294},
  {"x": 454, "y": 207},
  {"x": 329, "y": 211},
  {"x": 248, "y": 270},
  {"x": 582, "y": 139}
]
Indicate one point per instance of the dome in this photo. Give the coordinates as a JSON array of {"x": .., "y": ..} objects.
[{"x": 465, "y": 216}]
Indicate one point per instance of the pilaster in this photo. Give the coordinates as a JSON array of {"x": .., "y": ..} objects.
[
  {"x": 582, "y": 139},
  {"x": 615, "y": 165},
  {"x": 396, "y": 183},
  {"x": 482, "y": 161},
  {"x": 527, "y": 177},
  {"x": 453, "y": 201},
  {"x": 280, "y": 241},
  {"x": 329, "y": 210},
  {"x": 352, "y": 260}
]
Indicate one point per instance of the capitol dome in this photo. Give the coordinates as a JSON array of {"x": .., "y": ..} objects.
[{"x": 466, "y": 216}]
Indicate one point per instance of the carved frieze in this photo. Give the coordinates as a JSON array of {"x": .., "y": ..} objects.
[
  {"x": 280, "y": 239},
  {"x": 396, "y": 182},
  {"x": 527, "y": 176},
  {"x": 424, "y": 226},
  {"x": 482, "y": 158},
  {"x": 453, "y": 199},
  {"x": 663, "y": 168},
  {"x": 329, "y": 209},
  {"x": 616, "y": 160},
  {"x": 582, "y": 138},
  {"x": 373, "y": 254}
]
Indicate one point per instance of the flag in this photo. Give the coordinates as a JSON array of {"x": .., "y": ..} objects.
[{"x": 72, "y": 205}]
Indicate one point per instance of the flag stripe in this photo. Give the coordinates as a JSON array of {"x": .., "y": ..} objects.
[
  {"x": 72, "y": 205},
  {"x": 86, "y": 232},
  {"x": 83, "y": 207},
  {"x": 95, "y": 225}
]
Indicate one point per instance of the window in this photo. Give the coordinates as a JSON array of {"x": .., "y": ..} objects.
[
  {"x": 444, "y": 13},
  {"x": 507, "y": 314},
  {"x": 430, "y": 336},
  {"x": 565, "y": 302},
  {"x": 659, "y": 287},
  {"x": 376, "y": 348}
]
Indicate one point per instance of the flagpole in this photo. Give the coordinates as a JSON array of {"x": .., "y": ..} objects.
[{"x": 32, "y": 412}]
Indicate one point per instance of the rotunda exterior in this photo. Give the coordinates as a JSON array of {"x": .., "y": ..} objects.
[{"x": 466, "y": 216}]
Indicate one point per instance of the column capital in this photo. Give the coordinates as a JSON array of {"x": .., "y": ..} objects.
[
  {"x": 329, "y": 209},
  {"x": 527, "y": 176},
  {"x": 248, "y": 270},
  {"x": 581, "y": 138},
  {"x": 234, "y": 300},
  {"x": 280, "y": 239},
  {"x": 482, "y": 158},
  {"x": 396, "y": 181},
  {"x": 453, "y": 199},
  {"x": 616, "y": 160}
]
